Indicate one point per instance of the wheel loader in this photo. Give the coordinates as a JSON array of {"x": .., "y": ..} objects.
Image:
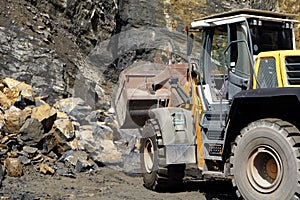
[{"x": 233, "y": 110}]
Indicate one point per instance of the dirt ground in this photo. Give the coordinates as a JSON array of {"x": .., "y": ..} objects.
[{"x": 106, "y": 183}]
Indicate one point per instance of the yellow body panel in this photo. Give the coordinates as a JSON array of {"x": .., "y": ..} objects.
[
  {"x": 283, "y": 55},
  {"x": 281, "y": 73},
  {"x": 197, "y": 113}
]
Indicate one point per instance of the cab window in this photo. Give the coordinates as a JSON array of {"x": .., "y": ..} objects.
[{"x": 267, "y": 73}]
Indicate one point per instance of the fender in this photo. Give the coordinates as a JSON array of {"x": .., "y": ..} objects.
[{"x": 177, "y": 129}]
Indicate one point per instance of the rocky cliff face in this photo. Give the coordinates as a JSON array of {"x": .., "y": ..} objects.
[
  {"x": 44, "y": 43},
  {"x": 292, "y": 6},
  {"x": 69, "y": 48}
]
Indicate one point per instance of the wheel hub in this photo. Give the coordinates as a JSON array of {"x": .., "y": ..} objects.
[
  {"x": 264, "y": 169},
  {"x": 149, "y": 155}
]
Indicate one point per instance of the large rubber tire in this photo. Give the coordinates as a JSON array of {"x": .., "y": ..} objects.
[
  {"x": 157, "y": 175},
  {"x": 265, "y": 161}
]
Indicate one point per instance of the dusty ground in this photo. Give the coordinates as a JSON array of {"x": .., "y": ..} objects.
[{"x": 106, "y": 183}]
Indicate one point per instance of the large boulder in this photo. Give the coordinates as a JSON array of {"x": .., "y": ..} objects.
[
  {"x": 13, "y": 167},
  {"x": 76, "y": 108},
  {"x": 19, "y": 93},
  {"x": 14, "y": 119},
  {"x": 109, "y": 155},
  {"x": 64, "y": 129},
  {"x": 64, "y": 133},
  {"x": 10, "y": 83},
  {"x": 101, "y": 131},
  {"x": 79, "y": 159},
  {"x": 26, "y": 92},
  {"x": 86, "y": 141},
  {"x": 46, "y": 115},
  {"x": 31, "y": 132}
]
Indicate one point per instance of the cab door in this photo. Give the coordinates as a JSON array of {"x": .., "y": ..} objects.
[{"x": 239, "y": 57}]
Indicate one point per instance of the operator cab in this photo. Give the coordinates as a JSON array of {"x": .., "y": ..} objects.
[{"x": 231, "y": 42}]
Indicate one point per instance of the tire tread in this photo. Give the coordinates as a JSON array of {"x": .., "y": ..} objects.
[
  {"x": 166, "y": 176},
  {"x": 288, "y": 130}
]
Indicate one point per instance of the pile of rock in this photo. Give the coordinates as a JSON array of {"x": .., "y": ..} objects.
[{"x": 65, "y": 138}]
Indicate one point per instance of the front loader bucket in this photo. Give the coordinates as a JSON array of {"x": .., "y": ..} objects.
[{"x": 141, "y": 87}]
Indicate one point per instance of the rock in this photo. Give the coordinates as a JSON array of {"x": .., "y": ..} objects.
[
  {"x": 109, "y": 155},
  {"x": 13, "y": 120},
  {"x": 25, "y": 114},
  {"x": 46, "y": 169},
  {"x": 85, "y": 133},
  {"x": 67, "y": 105},
  {"x": 76, "y": 125},
  {"x": 97, "y": 141},
  {"x": 13, "y": 167},
  {"x": 19, "y": 93},
  {"x": 26, "y": 93},
  {"x": 79, "y": 159},
  {"x": 65, "y": 169},
  {"x": 9, "y": 141},
  {"x": 101, "y": 131},
  {"x": 30, "y": 150},
  {"x": 48, "y": 143},
  {"x": 115, "y": 128},
  {"x": 37, "y": 159},
  {"x": 130, "y": 155},
  {"x": 132, "y": 145},
  {"x": 85, "y": 89},
  {"x": 64, "y": 133},
  {"x": 62, "y": 115},
  {"x": 86, "y": 140},
  {"x": 74, "y": 144},
  {"x": 31, "y": 132},
  {"x": 64, "y": 129},
  {"x": 141, "y": 13},
  {"x": 46, "y": 115},
  {"x": 29, "y": 60},
  {"x": 25, "y": 160},
  {"x": 12, "y": 94},
  {"x": 10, "y": 83},
  {"x": 51, "y": 157},
  {"x": 39, "y": 101},
  {"x": 94, "y": 116},
  {"x": 74, "y": 107},
  {"x": 89, "y": 19},
  {"x": 128, "y": 134},
  {"x": 62, "y": 146},
  {"x": 5, "y": 103}
]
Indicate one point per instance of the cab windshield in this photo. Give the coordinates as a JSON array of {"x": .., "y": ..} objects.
[{"x": 269, "y": 36}]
